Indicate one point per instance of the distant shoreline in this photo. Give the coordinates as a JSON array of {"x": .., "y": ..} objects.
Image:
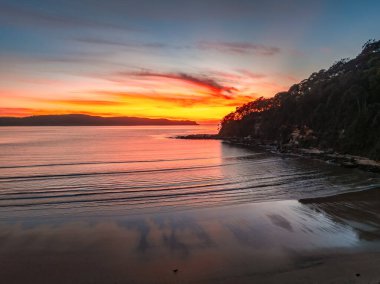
[{"x": 88, "y": 120}]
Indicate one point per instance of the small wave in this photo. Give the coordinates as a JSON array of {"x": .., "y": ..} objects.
[
  {"x": 68, "y": 175},
  {"x": 370, "y": 192},
  {"x": 245, "y": 157}
]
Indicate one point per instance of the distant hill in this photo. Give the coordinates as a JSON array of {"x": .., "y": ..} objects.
[
  {"x": 336, "y": 109},
  {"x": 86, "y": 120}
]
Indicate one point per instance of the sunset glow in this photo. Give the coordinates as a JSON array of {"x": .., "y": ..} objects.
[
  {"x": 146, "y": 94},
  {"x": 121, "y": 59}
]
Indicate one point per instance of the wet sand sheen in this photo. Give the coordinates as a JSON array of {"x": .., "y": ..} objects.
[{"x": 266, "y": 242}]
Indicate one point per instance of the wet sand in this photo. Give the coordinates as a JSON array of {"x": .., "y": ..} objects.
[{"x": 325, "y": 241}]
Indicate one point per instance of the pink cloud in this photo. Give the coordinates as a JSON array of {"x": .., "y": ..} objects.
[{"x": 250, "y": 74}]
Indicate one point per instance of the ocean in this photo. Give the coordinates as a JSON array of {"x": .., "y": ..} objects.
[{"x": 134, "y": 205}]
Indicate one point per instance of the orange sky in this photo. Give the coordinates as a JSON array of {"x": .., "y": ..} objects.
[{"x": 143, "y": 94}]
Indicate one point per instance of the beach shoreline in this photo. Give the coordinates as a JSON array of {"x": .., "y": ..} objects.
[{"x": 343, "y": 160}]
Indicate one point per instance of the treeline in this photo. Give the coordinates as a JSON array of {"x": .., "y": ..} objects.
[{"x": 337, "y": 109}]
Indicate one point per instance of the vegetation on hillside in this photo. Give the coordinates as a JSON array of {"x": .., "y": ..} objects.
[{"x": 337, "y": 109}]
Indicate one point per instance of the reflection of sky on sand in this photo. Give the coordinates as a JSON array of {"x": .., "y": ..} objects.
[
  {"x": 202, "y": 244},
  {"x": 362, "y": 216}
]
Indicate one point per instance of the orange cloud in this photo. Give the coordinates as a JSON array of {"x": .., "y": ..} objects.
[
  {"x": 86, "y": 102},
  {"x": 21, "y": 112},
  {"x": 177, "y": 100}
]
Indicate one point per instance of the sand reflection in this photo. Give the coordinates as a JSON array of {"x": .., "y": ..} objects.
[{"x": 202, "y": 245}]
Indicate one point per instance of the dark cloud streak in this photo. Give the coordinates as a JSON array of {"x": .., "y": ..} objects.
[
  {"x": 202, "y": 81},
  {"x": 239, "y": 48},
  {"x": 20, "y": 16},
  {"x": 224, "y": 47},
  {"x": 150, "y": 45}
]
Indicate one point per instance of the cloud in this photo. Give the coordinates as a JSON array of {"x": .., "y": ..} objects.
[
  {"x": 14, "y": 111},
  {"x": 233, "y": 77},
  {"x": 287, "y": 77},
  {"x": 22, "y": 16},
  {"x": 22, "y": 112},
  {"x": 157, "y": 99},
  {"x": 224, "y": 47},
  {"x": 250, "y": 74},
  {"x": 239, "y": 47},
  {"x": 81, "y": 102},
  {"x": 150, "y": 45},
  {"x": 215, "y": 88},
  {"x": 175, "y": 100}
]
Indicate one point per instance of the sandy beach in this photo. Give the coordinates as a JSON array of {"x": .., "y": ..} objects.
[{"x": 272, "y": 242}]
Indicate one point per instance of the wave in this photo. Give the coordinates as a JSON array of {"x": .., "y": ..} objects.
[
  {"x": 68, "y": 175},
  {"x": 371, "y": 192},
  {"x": 259, "y": 188},
  {"x": 245, "y": 157}
]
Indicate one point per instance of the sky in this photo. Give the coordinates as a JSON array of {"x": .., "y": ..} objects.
[{"x": 195, "y": 60}]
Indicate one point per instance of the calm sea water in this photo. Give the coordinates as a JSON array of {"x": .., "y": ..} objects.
[
  {"x": 130, "y": 203},
  {"x": 86, "y": 170}
]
